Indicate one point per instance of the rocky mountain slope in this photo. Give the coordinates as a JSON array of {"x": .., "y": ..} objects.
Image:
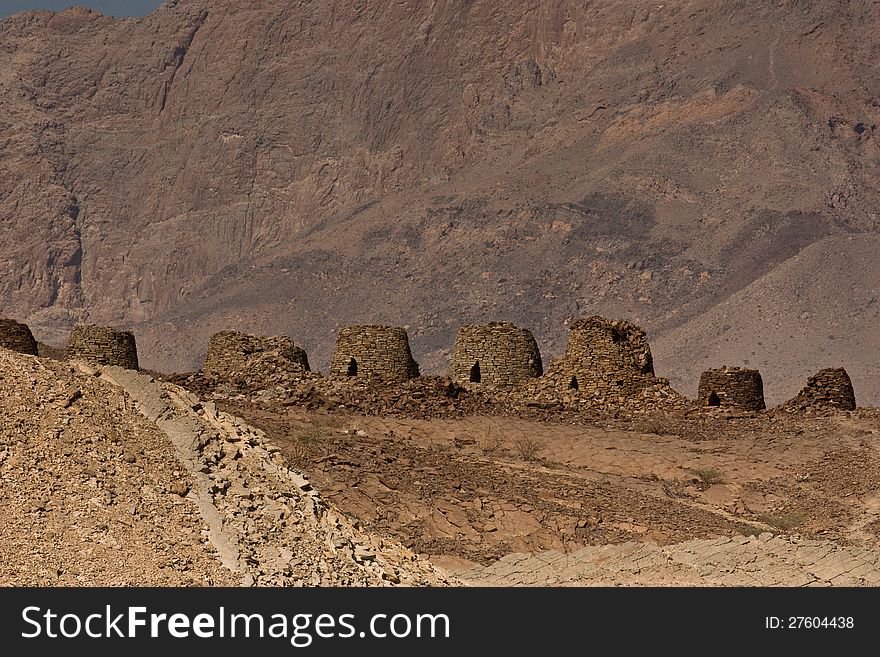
[{"x": 290, "y": 168}]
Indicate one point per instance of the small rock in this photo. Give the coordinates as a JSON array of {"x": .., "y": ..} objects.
[
  {"x": 362, "y": 554},
  {"x": 71, "y": 395},
  {"x": 179, "y": 487}
]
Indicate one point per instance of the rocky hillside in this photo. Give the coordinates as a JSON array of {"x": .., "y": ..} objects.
[
  {"x": 290, "y": 168},
  {"x": 122, "y": 480}
]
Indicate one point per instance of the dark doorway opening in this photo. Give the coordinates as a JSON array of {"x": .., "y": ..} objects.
[
  {"x": 476, "y": 377},
  {"x": 573, "y": 384},
  {"x": 352, "y": 367},
  {"x": 713, "y": 400}
]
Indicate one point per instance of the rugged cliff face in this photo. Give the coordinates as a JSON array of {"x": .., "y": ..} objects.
[{"x": 292, "y": 167}]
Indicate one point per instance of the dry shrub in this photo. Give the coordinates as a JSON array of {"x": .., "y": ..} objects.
[
  {"x": 529, "y": 448},
  {"x": 782, "y": 520},
  {"x": 492, "y": 441},
  {"x": 306, "y": 441},
  {"x": 708, "y": 475},
  {"x": 651, "y": 425}
]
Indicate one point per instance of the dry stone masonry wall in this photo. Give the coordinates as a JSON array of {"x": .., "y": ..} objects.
[
  {"x": 732, "y": 387},
  {"x": 496, "y": 354},
  {"x": 601, "y": 346},
  {"x": 827, "y": 389},
  {"x": 604, "y": 355},
  {"x": 231, "y": 353},
  {"x": 102, "y": 345},
  {"x": 17, "y": 337},
  {"x": 373, "y": 351},
  {"x": 607, "y": 364}
]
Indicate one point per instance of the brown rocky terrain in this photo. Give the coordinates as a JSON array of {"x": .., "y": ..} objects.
[
  {"x": 113, "y": 476},
  {"x": 705, "y": 169},
  {"x": 523, "y": 486},
  {"x": 479, "y": 487},
  {"x": 109, "y": 477},
  {"x": 702, "y": 498}
]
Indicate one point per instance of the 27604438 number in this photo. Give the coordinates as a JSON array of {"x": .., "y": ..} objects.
[{"x": 817, "y": 622}]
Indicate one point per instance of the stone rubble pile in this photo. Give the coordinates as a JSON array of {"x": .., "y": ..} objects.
[
  {"x": 238, "y": 362},
  {"x": 266, "y": 521},
  {"x": 231, "y": 353}
]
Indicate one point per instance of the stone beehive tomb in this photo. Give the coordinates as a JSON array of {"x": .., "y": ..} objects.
[
  {"x": 102, "y": 345},
  {"x": 732, "y": 386},
  {"x": 498, "y": 354},
  {"x": 827, "y": 389},
  {"x": 230, "y": 353},
  {"x": 17, "y": 337},
  {"x": 607, "y": 365},
  {"x": 373, "y": 351},
  {"x": 602, "y": 352}
]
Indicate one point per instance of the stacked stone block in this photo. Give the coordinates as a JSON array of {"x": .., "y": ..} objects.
[
  {"x": 604, "y": 357},
  {"x": 231, "y": 353},
  {"x": 102, "y": 345},
  {"x": 732, "y": 387},
  {"x": 373, "y": 351},
  {"x": 608, "y": 366},
  {"x": 827, "y": 389},
  {"x": 17, "y": 337},
  {"x": 496, "y": 354}
]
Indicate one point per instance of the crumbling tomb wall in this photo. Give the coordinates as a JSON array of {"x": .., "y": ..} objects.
[
  {"x": 496, "y": 354},
  {"x": 827, "y": 389},
  {"x": 607, "y": 365},
  {"x": 231, "y": 353},
  {"x": 373, "y": 351},
  {"x": 602, "y": 356},
  {"x": 732, "y": 387},
  {"x": 17, "y": 337},
  {"x": 102, "y": 345}
]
